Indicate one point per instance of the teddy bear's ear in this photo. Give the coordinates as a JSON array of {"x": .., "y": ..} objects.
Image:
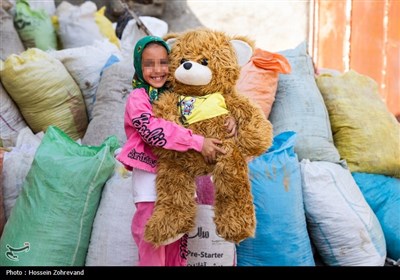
[
  {"x": 243, "y": 51},
  {"x": 171, "y": 42},
  {"x": 170, "y": 38}
]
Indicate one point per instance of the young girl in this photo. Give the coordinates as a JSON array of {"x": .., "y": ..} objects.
[{"x": 143, "y": 131}]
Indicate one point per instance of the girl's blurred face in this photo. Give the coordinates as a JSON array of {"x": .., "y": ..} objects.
[{"x": 155, "y": 65}]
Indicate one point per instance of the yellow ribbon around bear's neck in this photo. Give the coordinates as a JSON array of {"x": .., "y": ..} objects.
[{"x": 197, "y": 108}]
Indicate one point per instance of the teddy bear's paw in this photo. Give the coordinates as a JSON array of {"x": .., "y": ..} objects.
[
  {"x": 167, "y": 229},
  {"x": 159, "y": 238},
  {"x": 235, "y": 237},
  {"x": 230, "y": 239},
  {"x": 235, "y": 231}
]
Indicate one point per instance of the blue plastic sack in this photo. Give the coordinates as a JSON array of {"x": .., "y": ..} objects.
[
  {"x": 281, "y": 237},
  {"x": 383, "y": 195}
]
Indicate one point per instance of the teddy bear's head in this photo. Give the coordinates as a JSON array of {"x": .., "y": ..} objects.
[{"x": 204, "y": 61}]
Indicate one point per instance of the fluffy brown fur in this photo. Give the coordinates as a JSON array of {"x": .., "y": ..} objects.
[{"x": 175, "y": 207}]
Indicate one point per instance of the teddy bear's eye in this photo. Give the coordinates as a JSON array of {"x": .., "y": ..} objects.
[
  {"x": 204, "y": 61},
  {"x": 183, "y": 60}
]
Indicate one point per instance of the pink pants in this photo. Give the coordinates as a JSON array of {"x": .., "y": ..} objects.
[{"x": 174, "y": 254}]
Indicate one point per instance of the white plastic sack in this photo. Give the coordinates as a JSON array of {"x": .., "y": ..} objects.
[
  {"x": 77, "y": 26},
  {"x": 342, "y": 226},
  {"x": 11, "y": 120},
  {"x": 111, "y": 242},
  {"x": 16, "y": 165},
  {"x": 85, "y": 65},
  {"x": 205, "y": 247},
  {"x": 132, "y": 34},
  {"x": 10, "y": 35}
]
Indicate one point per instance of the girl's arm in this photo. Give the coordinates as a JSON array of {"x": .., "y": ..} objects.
[{"x": 158, "y": 132}]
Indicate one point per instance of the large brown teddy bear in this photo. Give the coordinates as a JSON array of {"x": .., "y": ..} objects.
[{"x": 204, "y": 68}]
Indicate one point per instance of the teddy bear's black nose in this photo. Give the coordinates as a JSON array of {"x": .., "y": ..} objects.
[{"x": 187, "y": 65}]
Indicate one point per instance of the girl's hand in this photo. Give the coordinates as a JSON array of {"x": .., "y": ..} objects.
[
  {"x": 231, "y": 127},
  {"x": 211, "y": 148}
]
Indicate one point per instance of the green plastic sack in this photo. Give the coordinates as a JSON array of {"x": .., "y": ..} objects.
[
  {"x": 34, "y": 27},
  {"x": 51, "y": 221}
]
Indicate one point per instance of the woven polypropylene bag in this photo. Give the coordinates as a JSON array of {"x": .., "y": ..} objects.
[
  {"x": 281, "y": 237},
  {"x": 51, "y": 221},
  {"x": 366, "y": 134},
  {"x": 299, "y": 107},
  {"x": 45, "y": 92}
]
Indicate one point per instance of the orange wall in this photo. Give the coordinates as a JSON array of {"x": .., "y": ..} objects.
[{"x": 363, "y": 36}]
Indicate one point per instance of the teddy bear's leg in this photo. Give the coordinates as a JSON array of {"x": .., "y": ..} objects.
[
  {"x": 175, "y": 209},
  {"x": 234, "y": 213}
]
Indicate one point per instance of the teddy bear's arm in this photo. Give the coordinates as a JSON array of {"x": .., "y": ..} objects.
[
  {"x": 254, "y": 131},
  {"x": 166, "y": 107}
]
